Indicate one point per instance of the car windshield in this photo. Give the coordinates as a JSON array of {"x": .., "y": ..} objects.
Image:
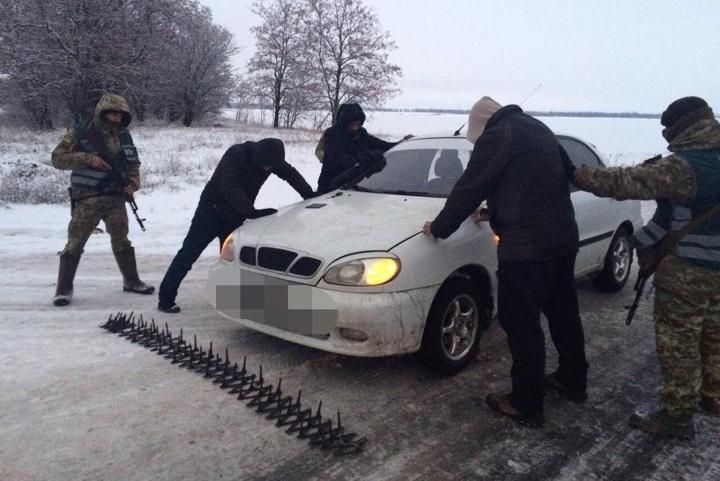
[{"x": 421, "y": 172}]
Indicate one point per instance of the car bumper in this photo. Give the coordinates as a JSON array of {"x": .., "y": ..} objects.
[{"x": 351, "y": 323}]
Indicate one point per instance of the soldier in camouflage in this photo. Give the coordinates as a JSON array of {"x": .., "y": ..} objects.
[
  {"x": 687, "y": 282},
  {"x": 105, "y": 171}
]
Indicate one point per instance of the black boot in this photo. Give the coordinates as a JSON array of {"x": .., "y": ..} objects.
[
  {"x": 663, "y": 424},
  {"x": 66, "y": 276},
  {"x": 128, "y": 267},
  {"x": 552, "y": 383}
]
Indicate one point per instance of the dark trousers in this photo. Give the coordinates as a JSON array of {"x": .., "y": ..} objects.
[
  {"x": 525, "y": 289},
  {"x": 205, "y": 227}
]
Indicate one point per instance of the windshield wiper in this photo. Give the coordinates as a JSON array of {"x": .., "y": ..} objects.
[
  {"x": 357, "y": 187},
  {"x": 407, "y": 192}
]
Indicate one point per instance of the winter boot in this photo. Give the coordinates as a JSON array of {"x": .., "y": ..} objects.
[
  {"x": 665, "y": 425},
  {"x": 710, "y": 405},
  {"x": 552, "y": 383},
  {"x": 170, "y": 308},
  {"x": 66, "y": 275},
  {"x": 128, "y": 267}
]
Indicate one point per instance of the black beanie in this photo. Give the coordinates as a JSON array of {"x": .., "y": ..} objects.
[
  {"x": 679, "y": 108},
  {"x": 268, "y": 152}
]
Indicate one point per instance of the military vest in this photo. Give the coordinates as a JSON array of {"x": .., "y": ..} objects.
[
  {"x": 91, "y": 141},
  {"x": 701, "y": 246}
]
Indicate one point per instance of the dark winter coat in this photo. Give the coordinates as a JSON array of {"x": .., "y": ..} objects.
[
  {"x": 233, "y": 187},
  {"x": 518, "y": 166},
  {"x": 343, "y": 151}
]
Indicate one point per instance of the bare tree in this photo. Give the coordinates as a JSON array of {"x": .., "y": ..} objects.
[
  {"x": 69, "y": 52},
  {"x": 203, "y": 77},
  {"x": 351, "y": 53},
  {"x": 280, "y": 58}
]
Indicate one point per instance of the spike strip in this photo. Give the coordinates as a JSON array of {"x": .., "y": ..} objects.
[{"x": 287, "y": 411}]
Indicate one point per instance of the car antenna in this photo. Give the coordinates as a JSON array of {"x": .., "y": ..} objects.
[
  {"x": 457, "y": 132},
  {"x": 531, "y": 94}
]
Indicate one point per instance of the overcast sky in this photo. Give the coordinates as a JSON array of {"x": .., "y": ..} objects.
[{"x": 607, "y": 55}]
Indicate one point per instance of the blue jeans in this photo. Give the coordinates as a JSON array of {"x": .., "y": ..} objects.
[{"x": 205, "y": 227}]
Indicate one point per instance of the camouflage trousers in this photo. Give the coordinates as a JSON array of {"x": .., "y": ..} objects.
[
  {"x": 687, "y": 327},
  {"x": 88, "y": 213}
]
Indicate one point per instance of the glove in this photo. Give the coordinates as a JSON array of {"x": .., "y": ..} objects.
[{"x": 256, "y": 213}]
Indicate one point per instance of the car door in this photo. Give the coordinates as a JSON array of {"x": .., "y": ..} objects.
[{"x": 594, "y": 215}]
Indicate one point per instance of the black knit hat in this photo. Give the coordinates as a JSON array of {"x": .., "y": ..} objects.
[{"x": 680, "y": 107}]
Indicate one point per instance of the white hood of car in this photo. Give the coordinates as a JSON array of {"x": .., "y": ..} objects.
[{"x": 341, "y": 223}]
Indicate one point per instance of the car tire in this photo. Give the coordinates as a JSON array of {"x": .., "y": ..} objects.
[
  {"x": 618, "y": 259},
  {"x": 454, "y": 326}
]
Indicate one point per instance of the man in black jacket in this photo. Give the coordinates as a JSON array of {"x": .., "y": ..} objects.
[
  {"x": 348, "y": 146},
  {"x": 226, "y": 202},
  {"x": 520, "y": 168}
]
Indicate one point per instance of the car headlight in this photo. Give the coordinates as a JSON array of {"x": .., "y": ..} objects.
[
  {"x": 364, "y": 272},
  {"x": 228, "y": 248}
]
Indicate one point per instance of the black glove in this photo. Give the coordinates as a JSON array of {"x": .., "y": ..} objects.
[{"x": 255, "y": 213}]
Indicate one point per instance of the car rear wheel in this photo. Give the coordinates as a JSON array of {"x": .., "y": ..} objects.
[
  {"x": 618, "y": 260},
  {"x": 454, "y": 327}
]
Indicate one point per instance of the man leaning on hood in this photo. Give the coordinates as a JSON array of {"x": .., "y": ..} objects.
[
  {"x": 348, "y": 146},
  {"x": 105, "y": 171},
  {"x": 518, "y": 165},
  {"x": 227, "y": 200}
]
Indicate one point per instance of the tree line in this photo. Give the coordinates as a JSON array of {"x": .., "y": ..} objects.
[{"x": 57, "y": 57}]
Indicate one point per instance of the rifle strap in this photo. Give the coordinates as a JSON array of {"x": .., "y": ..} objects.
[{"x": 670, "y": 241}]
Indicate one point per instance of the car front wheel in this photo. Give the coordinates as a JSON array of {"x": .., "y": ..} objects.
[
  {"x": 618, "y": 260},
  {"x": 454, "y": 327}
]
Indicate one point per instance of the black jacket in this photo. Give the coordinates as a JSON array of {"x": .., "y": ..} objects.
[
  {"x": 237, "y": 179},
  {"x": 342, "y": 151},
  {"x": 517, "y": 165}
]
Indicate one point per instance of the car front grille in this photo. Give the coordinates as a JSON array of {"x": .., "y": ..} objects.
[
  {"x": 306, "y": 266},
  {"x": 280, "y": 260}
]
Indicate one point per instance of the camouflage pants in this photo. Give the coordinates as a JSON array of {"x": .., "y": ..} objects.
[
  {"x": 88, "y": 213},
  {"x": 687, "y": 327}
]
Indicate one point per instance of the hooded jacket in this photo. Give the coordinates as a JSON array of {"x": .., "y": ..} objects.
[
  {"x": 342, "y": 150},
  {"x": 231, "y": 191},
  {"x": 98, "y": 137},
  {"x": 517, "y": 165}
]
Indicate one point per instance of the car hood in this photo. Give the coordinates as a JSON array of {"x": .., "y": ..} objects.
[{"x": 341, "y": 223}]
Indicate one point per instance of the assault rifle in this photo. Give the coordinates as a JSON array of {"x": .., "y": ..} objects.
[
  {"x": 639, "y": 289},
  {"x": 129, "y": 198},
  {"x": 362, "y": 169}
]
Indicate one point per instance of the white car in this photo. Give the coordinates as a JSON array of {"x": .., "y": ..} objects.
[{"x": 350, "y": 271}]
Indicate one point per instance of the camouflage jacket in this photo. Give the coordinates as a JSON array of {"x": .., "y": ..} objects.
[
  {"x": 670, "y": 178},
  {"x": 69, "y": 155}
]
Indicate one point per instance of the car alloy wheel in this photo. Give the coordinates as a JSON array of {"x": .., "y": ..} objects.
[
  {"x": 618, "y": 260},
  {"x": 460, "y": 326},
  {"x": 454, "y": 326}
]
